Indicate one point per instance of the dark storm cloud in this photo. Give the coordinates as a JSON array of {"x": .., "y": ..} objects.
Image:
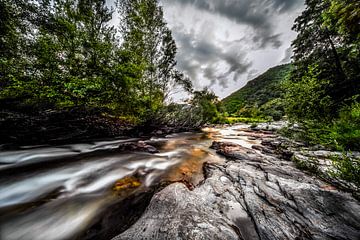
[
  {"x": 200, "y": 55},
  {"x": 252, "y": 12},
  {"x": 214, "y": 52},
  {"x": 256, "y": 14},
  {"x": 266, "y": 39}
]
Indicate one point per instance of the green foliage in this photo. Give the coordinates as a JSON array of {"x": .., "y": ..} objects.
[
  {"x": 345, "y": 132},
  {"x": 204, "y": 107},
  {"x": 253, "y": 120},
  {"x": 64, "y": 60},
  {"x": 343, "y": 18},
  {"x": 62, "y": 53},
  {"x": 346, "y": 168},
  {"x": 150, "y": 42},
  {"x": 341, "y": 134},
  {"x": 326, "y": 56},
  {"x": 261, "y": 97},
  {"x": 208, "y": 106},
  {"x": 322, "y": 90},
  {"x": 310, "y": 164},
  {"x": 308, "y": 98}
]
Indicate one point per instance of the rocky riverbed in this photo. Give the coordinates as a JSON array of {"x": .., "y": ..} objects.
[
  {"x": 257, "y": 192},
  {"x": 228, "y": 182}
]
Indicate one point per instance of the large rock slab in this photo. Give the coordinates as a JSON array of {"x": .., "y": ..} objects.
[{"x": 250, "y": 196}]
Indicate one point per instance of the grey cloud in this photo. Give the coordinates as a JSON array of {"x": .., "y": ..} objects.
[
  {"x": 200, "y": 55},
  {"x": 253, "y": 74},
  {"x": 236, "y": 61},
  {"x": 285, "y": 5},
  {"x": 287, "y": 56},
  {"x": 263, "y": 41},
  {"x": 243, "y": 11},
  {"x": 254, "y": 13}
]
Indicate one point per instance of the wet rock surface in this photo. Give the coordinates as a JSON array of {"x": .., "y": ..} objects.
[
  {"x": 255, "y": 193},
  {"x": 139, "y": 146}
]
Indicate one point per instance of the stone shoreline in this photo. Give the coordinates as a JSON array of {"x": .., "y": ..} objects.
[{"x": 256, "y": 193}]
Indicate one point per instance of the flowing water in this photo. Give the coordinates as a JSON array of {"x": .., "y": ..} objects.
[{"x": 50, "y": 193}]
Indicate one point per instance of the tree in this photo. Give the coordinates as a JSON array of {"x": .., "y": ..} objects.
[
  {"x": 8, "y": 40},
  {"x": 146, "y": 35},
  {"x": 308, "y": 97},
  {"x": 67, "y": 53},
  {"x": 59, "y": 54},
  {"x": 19, "y": 25},
  {"x": 343, "y": 17},
  {"x": 322, "y": 44},
  {"x": 84, "y": 43},
  {"x": 12, "y": 29},
  {"x": 207, "y": 105}
]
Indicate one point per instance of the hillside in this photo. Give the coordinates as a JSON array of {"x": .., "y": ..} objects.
[{"x": 261, "y": 96}]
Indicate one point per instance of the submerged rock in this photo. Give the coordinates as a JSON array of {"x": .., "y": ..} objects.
[{"x": 138, "y": 147}]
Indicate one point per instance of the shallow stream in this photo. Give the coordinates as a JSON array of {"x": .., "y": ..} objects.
[{"x": 67, "y": 192}]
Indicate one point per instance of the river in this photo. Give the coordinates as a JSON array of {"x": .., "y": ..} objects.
[{"x": 92, "y": 190}]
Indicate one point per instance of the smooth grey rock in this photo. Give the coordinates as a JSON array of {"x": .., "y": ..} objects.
[
  {"x": 250, "y": 196},
  {"x": 178, "y": 213}
]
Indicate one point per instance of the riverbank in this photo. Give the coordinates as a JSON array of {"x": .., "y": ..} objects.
[
  {"x": 258, "y": 192},
  {"x": 29, "y": 127}
]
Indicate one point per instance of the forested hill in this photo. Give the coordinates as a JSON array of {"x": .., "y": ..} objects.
[{"x": 262, "y": 93}]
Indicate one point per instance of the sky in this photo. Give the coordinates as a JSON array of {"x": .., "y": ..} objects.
[{"x": 222, "y": 44}]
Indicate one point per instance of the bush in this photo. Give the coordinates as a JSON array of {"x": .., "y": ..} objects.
[
  {"x": 307, "y": 98},
  {"x": 233, "y": 120},
  {"x": 342, "y": 133},
  {"x": 346, "y": 130},
  {"x": 346, "y": 168}
]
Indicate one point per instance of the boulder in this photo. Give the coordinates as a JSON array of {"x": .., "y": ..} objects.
[
  {"x": 250, "y": 196},
  {"x": 137, "y": 147}
]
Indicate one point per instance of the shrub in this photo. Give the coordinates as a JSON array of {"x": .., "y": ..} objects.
[
  {"x": 346, "y": 130},
  {"x": 346, "y": 168},
  {"x": 307, "y": 98},
  {"x": 342, "y": 133}
]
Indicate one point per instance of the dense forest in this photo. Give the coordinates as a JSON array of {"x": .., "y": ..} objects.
[
  {"x": 323, "y": 89},
  {"x": 262, "y": 97},
  {"x": 57, "y": 54},
  {"x": 68, "y": 56}
]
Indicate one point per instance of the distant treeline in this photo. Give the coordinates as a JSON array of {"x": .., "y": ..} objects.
[{"x": 262, "y": 97}]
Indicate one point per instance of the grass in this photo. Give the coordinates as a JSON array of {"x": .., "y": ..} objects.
[{"x": 233, "y": 120}]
